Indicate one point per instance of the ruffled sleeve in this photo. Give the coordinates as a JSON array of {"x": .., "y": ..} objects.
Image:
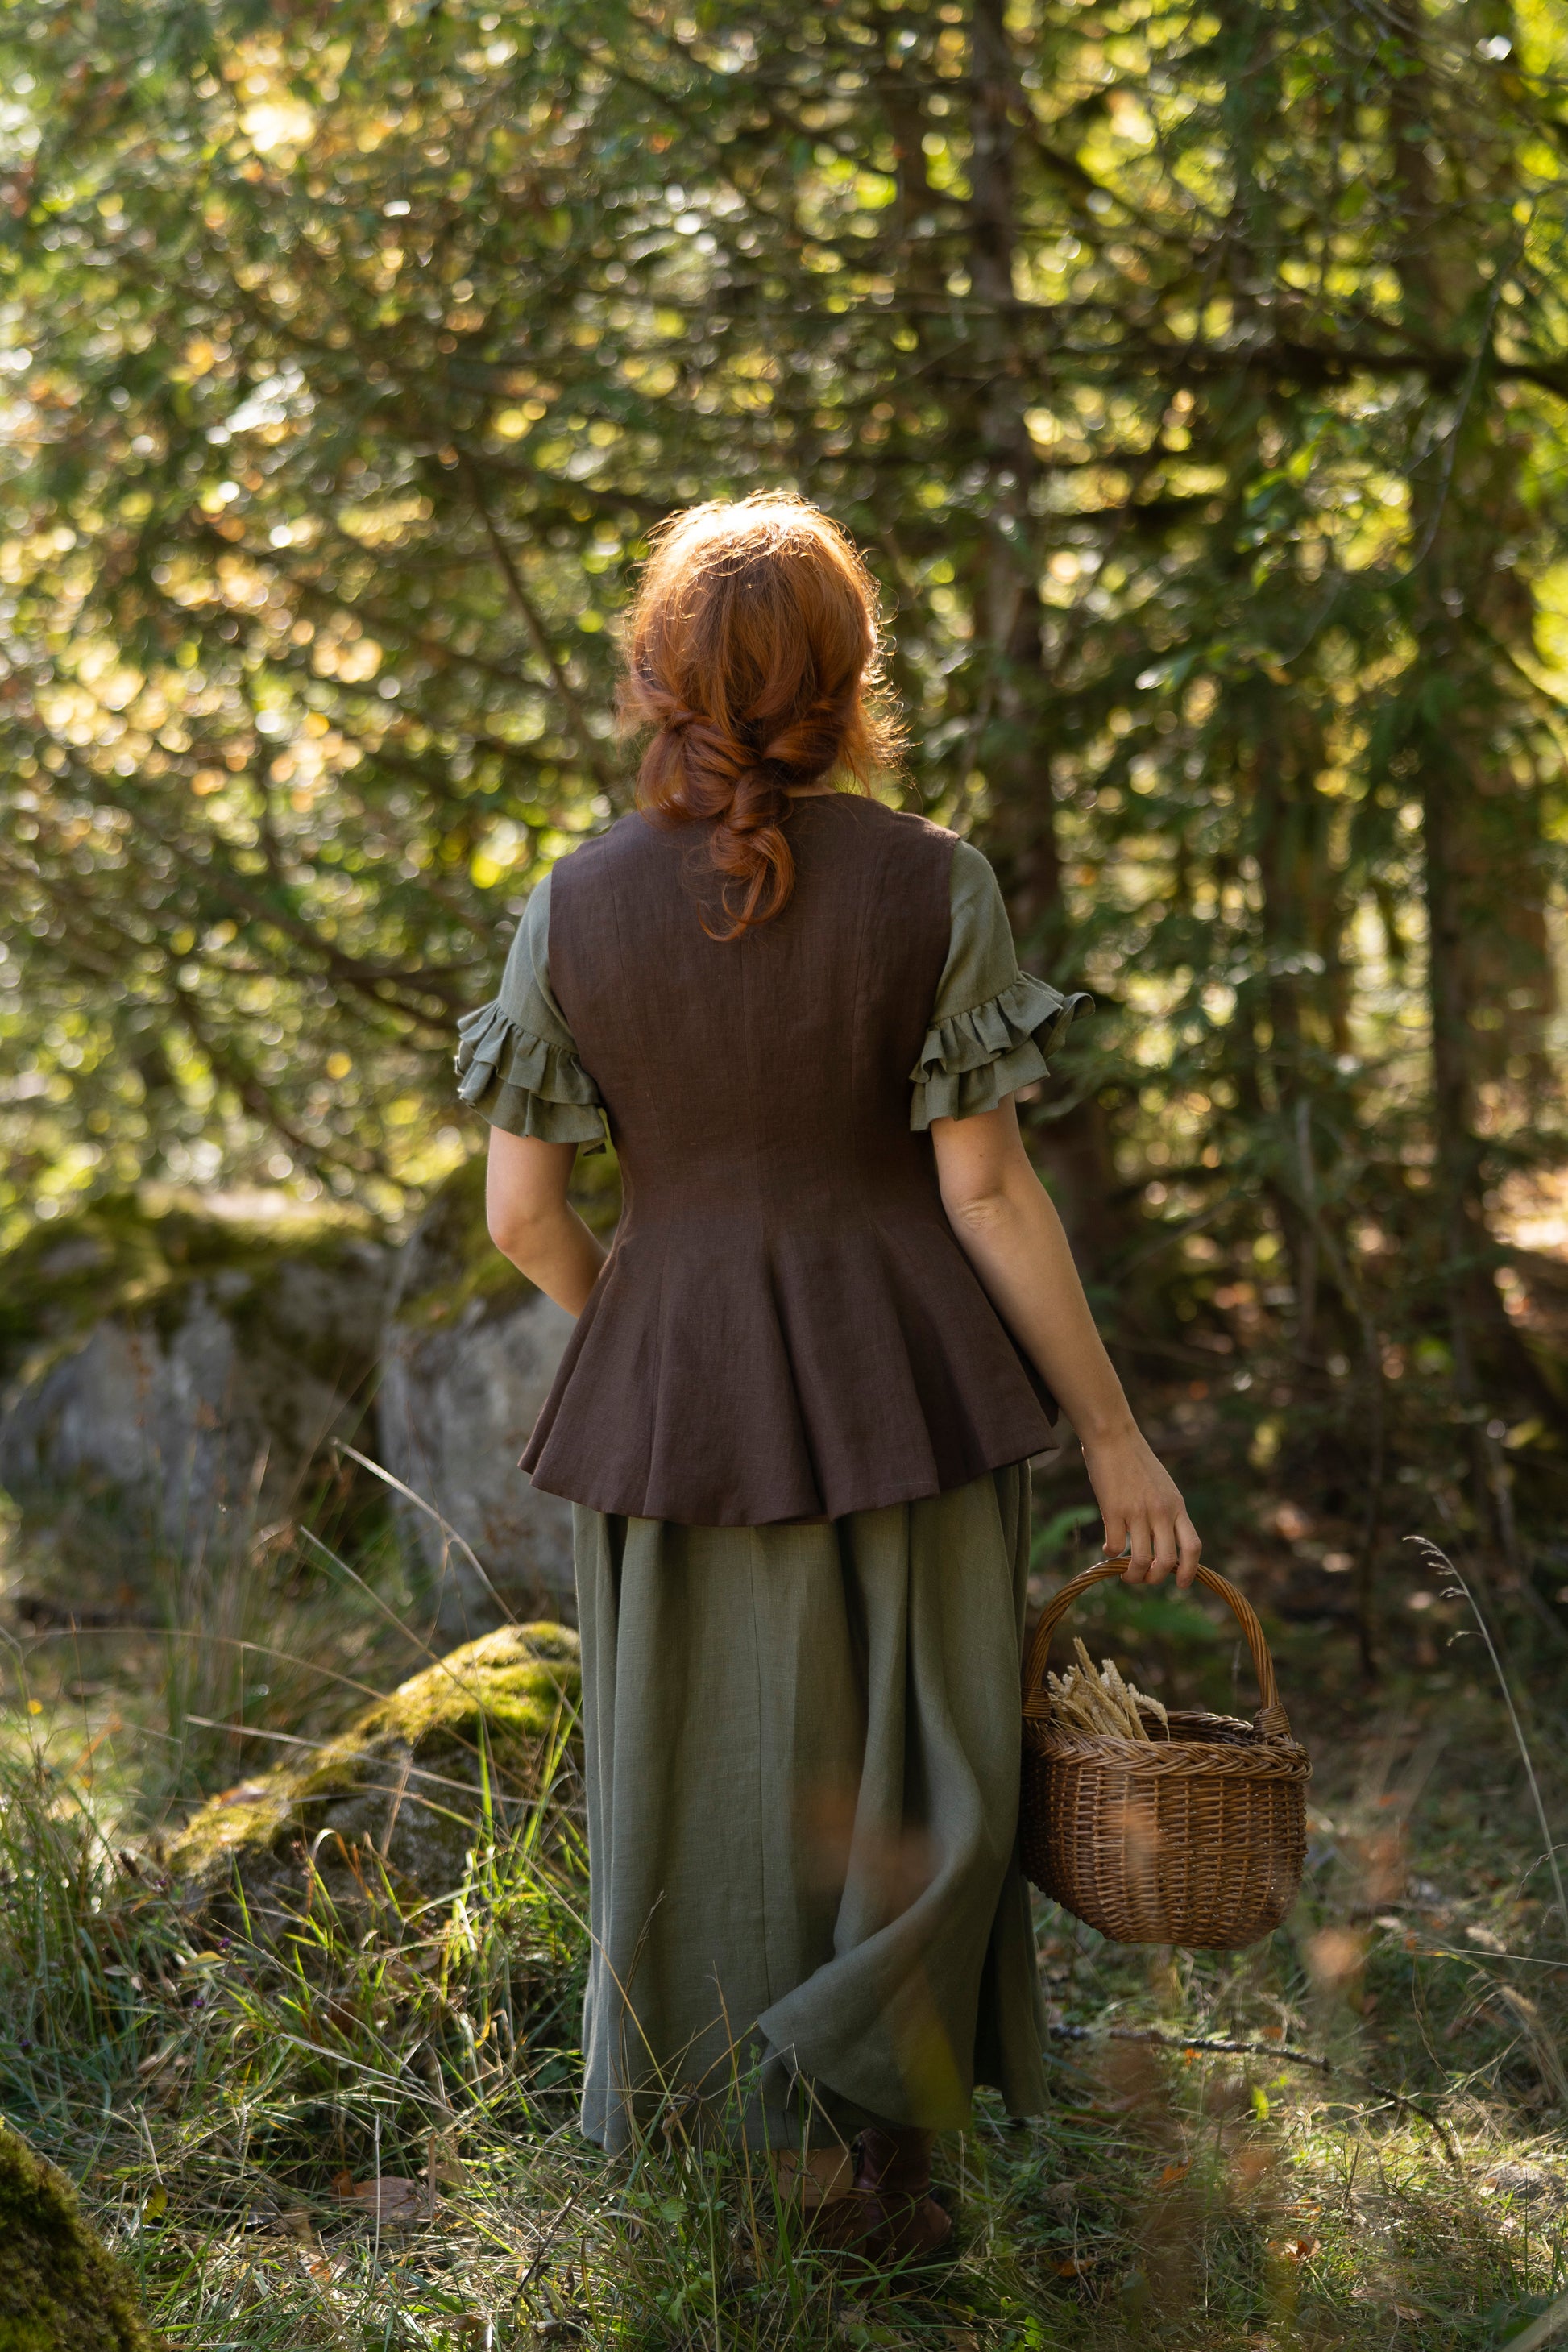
[
  {"x": 992, "y": 1026},
  {"x": 516, "y": 1060}
]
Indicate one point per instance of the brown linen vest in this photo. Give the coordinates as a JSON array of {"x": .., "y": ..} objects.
[{"x": 786, "y": 1327}]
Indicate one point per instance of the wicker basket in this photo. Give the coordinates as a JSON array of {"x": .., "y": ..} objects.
[{"x": 1196, "y": 1838}]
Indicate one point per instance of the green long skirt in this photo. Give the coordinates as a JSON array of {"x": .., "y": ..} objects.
[{"x": 802, "y": 1765}]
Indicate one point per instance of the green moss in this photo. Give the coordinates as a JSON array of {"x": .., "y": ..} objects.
[
  {"x": 61, "y": 2289},
  {"x": 513, "y": 1680},
  {"x": 224, "y": 1831},
  {"x": 116, "y": 1258},
  {"x": 405, "y": 1777}
]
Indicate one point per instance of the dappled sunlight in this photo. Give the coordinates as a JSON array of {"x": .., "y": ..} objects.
[
  {"x": 1194, "y": 383},
  {"x": 1532, "y": 1212},
  {"x": 366, "y": 2118}
]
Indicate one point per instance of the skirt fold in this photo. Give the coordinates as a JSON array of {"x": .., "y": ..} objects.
[{"x": 802, "y": 1761}]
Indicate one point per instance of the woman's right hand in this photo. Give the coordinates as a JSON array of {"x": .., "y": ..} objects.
[{"x": 1142, "y": 1509}]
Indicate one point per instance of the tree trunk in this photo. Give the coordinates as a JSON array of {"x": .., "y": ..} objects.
[
  {"x": 1486, "y": 929},
  {"x": 1009, "y": 656}
]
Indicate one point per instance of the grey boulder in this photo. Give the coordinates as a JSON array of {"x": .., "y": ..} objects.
[
  {"x": 191, "y": 1370},
  {"x": 467, "y": 1357}
]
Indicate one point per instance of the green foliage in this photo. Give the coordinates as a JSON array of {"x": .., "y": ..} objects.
[
  {"x": 472, "y": 1739},
  {"x": 1194, "y": 379},
  {"x": 359, "y": 2130},
  {"x": 117, "y": 1255}
]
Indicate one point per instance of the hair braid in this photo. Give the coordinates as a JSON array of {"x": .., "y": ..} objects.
[{"x": 751, "y": 648}]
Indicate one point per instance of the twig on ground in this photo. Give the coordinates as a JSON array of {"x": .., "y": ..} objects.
[
  {"x": 1221, "y": 2045},
  {"x": 1434, "y": 2124},
  {"x": 548, "y": 2237}
]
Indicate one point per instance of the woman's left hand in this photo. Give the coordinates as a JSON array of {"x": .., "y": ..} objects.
[{"x": 1141, "y": 1505}]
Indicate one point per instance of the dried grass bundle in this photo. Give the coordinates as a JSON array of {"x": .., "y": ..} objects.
[{"x": 1087, "y": 1701}]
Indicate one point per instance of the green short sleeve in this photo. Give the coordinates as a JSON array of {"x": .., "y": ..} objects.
[
  {"x": 516, "y": 1060},
  {"x": 992, "y": 1026}
]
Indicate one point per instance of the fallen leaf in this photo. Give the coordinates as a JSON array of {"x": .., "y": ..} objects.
[
  {"x": 1075, "y": 2265},
  {"x": 1171, "y": 2174},
  {"x": 244, "y": 1792},
  {"x": 1297, "y": 2249},
  {"x": 389, "y": 2198},
  {"x": 155, "y": 2203}
]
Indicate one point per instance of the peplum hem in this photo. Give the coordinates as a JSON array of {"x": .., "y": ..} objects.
[
  {"x": 525, "y": 1084},
  {"x": 918, "y": 1391},
  {"x": 973, "y": 1060}
]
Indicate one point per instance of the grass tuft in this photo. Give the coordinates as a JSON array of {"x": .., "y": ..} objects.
[{"x": 355, "y": 2125}]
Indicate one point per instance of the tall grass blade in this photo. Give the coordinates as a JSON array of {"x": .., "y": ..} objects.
[{"x": 1434, "y": 1552}]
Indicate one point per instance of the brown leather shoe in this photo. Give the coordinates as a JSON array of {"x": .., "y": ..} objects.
[{"x": 890, "y": 2217}]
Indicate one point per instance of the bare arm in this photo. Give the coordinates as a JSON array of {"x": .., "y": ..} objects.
[
  {"x": 531, "y": 1221},
  {"x": 1008, "y": 1228}
]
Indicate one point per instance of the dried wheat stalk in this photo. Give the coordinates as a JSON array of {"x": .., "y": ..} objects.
[{"x": 1086, "y": 1701}]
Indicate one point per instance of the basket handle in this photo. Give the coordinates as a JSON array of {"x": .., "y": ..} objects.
[{"x": 1271, "y": 1717}]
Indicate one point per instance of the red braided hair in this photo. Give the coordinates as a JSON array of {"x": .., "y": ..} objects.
[{"x": 752, "y": 652}]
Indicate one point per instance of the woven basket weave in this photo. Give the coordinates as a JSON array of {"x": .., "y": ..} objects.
[{"x": 1195, "y": 1839}]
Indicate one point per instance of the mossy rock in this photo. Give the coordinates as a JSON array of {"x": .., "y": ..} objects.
[
  {"x": 399, "y": 1798},
  {"x": 61, "y": 2289},
  {"x": 469, "y": 1353},
  {"x": 117, "y": 1257},
  {"x": 151, "y": 1364}
]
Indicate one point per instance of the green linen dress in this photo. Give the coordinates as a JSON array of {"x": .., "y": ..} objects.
[{"x": 802, "y": 1739}]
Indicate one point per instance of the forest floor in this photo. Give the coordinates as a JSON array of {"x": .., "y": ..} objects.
[{"x": 367, "y": 2138}]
